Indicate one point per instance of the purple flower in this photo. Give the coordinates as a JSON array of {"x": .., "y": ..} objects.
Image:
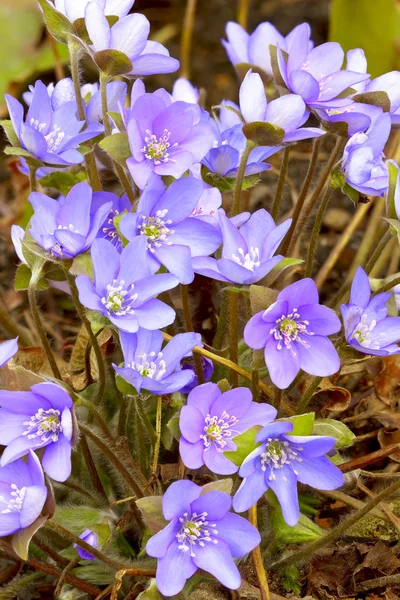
[
  {"x": 124, "y": 288},
  {"x": 51, "y": 135},
  {"x": 184, "y": 91},
  {"x": 316, "y": 74},
  {"x": 67, "y": 228},
  {"x": 165, "y": 137},
  {"x": 280, "y": 462},
  {"x": 163, "y": 220},
  {"x": 254, "y": 49},
  {"x": 247, "y": 252},
  {"x": 363, "y": 163},
  {"x": 211, "y": 420},
  {"x": 23, "y": 494},
  {"x": 293, "y": 333},
  {"x": 90, "y": 537},
  {"x": 118, "y": 207},
  {"x": 224, "y": 158},
  {"x": 367, "y": 327},
  {"x": 150, "y": 367},
  {"x": 41, "y": 418},
  {"x": 287, "y": 113},
  {"x": 130, "y": 36},
  {"x": 8, "y": 349},
  {"x": 74, "y": 9},
  {"x": 202, "y": 534},
  {"x": 189, "y": 364}
]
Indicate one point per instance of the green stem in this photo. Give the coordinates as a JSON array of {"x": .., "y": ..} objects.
[
  {"x": 91, "y": 467},
  {"x": 158, "y": 436},
  {"x": 377, "y": 252},
  {"x": 221, "y": 327},
  {"x": 388, "y": 287},
  {"x": 233, "y": 334},
  {"x": 240, "y": 177},
  {"x": 189, "y": 327},
  {"x": 41, "y": 330},
  {"x": 93, "y": 339},
  {"x": 104, "y": 79},
  {"x": 122, "y": 416},
  {"x": 32, "y": 179},
  {"x": 257, "y": 559},
  {"x": 302, "y": 195},
  {"x": 281, "y": 183},
  {"x": 335, "y": 533},
  {"x": 315, "y": 232},
  {"x": 187, "y": 36},
  {"x": 308, "y": 394},
  {"x": 101, "y": 422},
  {"x": 90, "y": 161},
  {"x": 71, "y": 565},
  {"x": 243, "y": 13}
]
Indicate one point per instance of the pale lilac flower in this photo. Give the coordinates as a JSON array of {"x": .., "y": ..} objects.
[
  {"x": 75, "y": 9},
  {"x": 90, "y": 537},
  {"x": 8, "y": 349}
]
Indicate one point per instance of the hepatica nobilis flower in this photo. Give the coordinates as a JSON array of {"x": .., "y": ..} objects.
[
  {"x": 202, "y": 534},
  {"x": 129, "y": 36},
  {"x": 149, "y": 366},
  {"x": 74, "y": 9},
  {"x": 41, "y": 418},
  {"x": 316, "y": 75},
  {"x": 68, "y": 227},
  {"x": 189, "y": 364},
  {"x": 363, "y": 158},
  {"x": 124, "y": 288},
  {"x": 367, "y": 326},
  {"x": 119, "y": 205},
  {"x": 166, "y": 137},
  {"x": 247, "y": 252},
  {"x": 52, "y": 136},
  {"x": 287, "y": 113},
  {"x": 23, "y": 494},
  {"x": 163, "y": 219},
  {"x": 8, "y": 349},
  {"x": 90, "y": 537},
  {"x": 293, "y": 332},
  {"x": 280, "y": 462},
  {"x": 211, "y": 420}
]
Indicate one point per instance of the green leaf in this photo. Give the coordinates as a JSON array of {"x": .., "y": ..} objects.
[
  {"x": 226, "y": 184},
  {"x": 57, "y": 23},
  {"x": 231, "y": 108},
  {"x": 224, "y": 385},
  {"x": 98, "y": 321},
  {"x": 31, "y": 160},
  {"x": 82, "y": 265},
  {"x": 302, "y": 424},
  {"x": 304, "y": 531},
  {"x": 394, "y": 226},
  {"x": 21, "y": 540},
  {"x": 246, "y": 443},
  {"x": 95, "y": 573},
  {"x": 22, "y": 277},
  {"x": 118, "y": 120},
  {"x": 261, "y": 298},
  {"x": 62, "y": 181},
  {"x": 151, "y": 509},
  {"x": 343, "y": 435},
  {"x": 285, "y": 264},
  {"x": 264, "y": 134},
  {"x": 221, "y": 485},
  {"x": 380, "y": 99},
  {"x": 351, "y": 193},
  {"x": 113, "y": 62},
  {"x": 10, "y": 133},
  {"x": 151, "y": 592},
  {"x": 393, "y": 177},
  {"x": 338, "y": 179},
  {"x": 117, "y": 146},
  {"x": 78, "y": 518},
  {"x": 372, "y": 26}
]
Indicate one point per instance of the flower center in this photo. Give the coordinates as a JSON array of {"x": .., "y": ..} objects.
[
  {"x": 148, "y": 367},
  {"x": 45, "y": 424},
  {"x": 195, "y": 530},
  {"x": 278, "y": 453},
  {"x": 53, "y": 138},
  {"x": 363, "y": 334},
  {"x": 288, "y": 329},
  {"x": 157, "y": 149},
  {"x": 110, "y": 231},
  {"x": 218, "y": 429},
  {"x": 249, "y": 261},
  {"x": 119, "y": 298},
  {"x": 156, "y": 229},
  {"x": 13, "y": 504}
]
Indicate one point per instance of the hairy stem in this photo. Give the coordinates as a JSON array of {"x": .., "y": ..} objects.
[
  {"x": 236, "y": 207},
  {"x": 187, "y": 37},
  {"x": 233, "y": 334},
  {"x": 158, "y": 436},
  {"x": 281, "y": 183},
  {"x": 257, "y": 559},
  {"x": 12, "y": 328},
  {"x": 315, "y": 232},
  {"x": 32, "y": 179},
  {"x": 388, "y": 287},
  {"x": 91, "y": 467},
  {"x": 308, "y": 394},
  {"x": 189, "y": 327}
]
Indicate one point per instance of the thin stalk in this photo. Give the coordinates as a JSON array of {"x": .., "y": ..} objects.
[
  {"x": 71, "y": 565},
  {"x": 122, "y": 416},
  {"x": 32, "y": 179},
  {"x": 12, "y": 328},
  {"x": 243, "y": 13},
  {"x": 384, "y": 258},
  {"x": 233, "y": 334},
  {"x": 221, "y": 327},
  {"x": 308, "y": 394},
  {"x": 91, "y": 467},
  {"x": 93, "y": 339},
  {"x": 189, "y": 327},
  {"x": 388, "y": 287},
  {"x": 257, "y": 559},
  {"x": 158, "y": 436},
  {"x": 108, "y": 451},
  {"x": 302, "y": 195},
  {"x": 336, "y": 532},
  {"x": 254, "y": 385},
  {"x": 315, "y": 232},
  {"x": 42, "y": 333},
  {"x": 377, "y": 252},
  {"x": 80, "y": 584},
  {"x": 187, "y": 37},
  {"x": 90, "y": 161},
  {"x": 99, "y": 418},
  {"x": 281, "y": 183},
  {"x": 108, "y": 131},
  {"x": 240, "y": 177}
]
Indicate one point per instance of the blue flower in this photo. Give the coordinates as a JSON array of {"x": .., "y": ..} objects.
[
  {"x": 124, "y": 288},
  {"x": 74, "y": 10},
  {"x": 202, "y": 534},
  {"x": 51, "y": 135},
  {"x": 41, "y": 418},
  {"x": 367, "y": 327},
  {"x": 150, "y": 367},
  {"x": 90, "y": 537},
  {"x": 23, "y": 494},
  {"x": 8, "y": 349},
  {"x": 280, "y": 462}
]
